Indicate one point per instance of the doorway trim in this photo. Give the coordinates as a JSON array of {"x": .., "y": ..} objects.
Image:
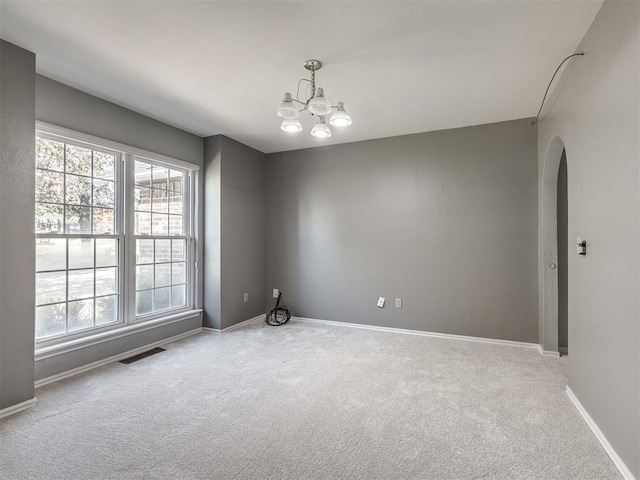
[{"x": 548, "y": 326}]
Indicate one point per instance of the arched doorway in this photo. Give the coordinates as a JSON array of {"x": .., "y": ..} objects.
[{"x": 549, "y": 331}]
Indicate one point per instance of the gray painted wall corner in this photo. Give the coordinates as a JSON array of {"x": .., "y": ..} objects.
[
  {"x": 234, "y": 232},
  {"x": 17, "y": 246},
  {"x": 597, "y": 117},
  {"x": 243, "y": 220},
  {"x": 212, "y": 255}
]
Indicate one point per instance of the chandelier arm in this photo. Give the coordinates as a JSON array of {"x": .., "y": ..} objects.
[{"x": 298, "y": 90}]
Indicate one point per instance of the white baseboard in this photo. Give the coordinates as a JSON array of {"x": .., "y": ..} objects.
[
  {"x": 615, "y": 458},
  {"x": 548, "y": 353},
  {"x": 5, "y": 412},
  {"x": 256, "y": 319},
  {"x": 115, "y": 358},
  {"x": 465, "y": 338}
]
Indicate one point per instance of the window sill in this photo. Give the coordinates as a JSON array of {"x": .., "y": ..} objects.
[{"x": 90, "y": 340}]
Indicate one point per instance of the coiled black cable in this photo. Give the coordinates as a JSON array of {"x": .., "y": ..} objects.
[{"x": 279, "y": 315}]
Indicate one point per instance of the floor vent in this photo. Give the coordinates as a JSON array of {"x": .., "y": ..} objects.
[{"x": 142, "y": 355}]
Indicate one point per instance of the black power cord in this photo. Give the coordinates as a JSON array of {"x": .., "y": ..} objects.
[
  {"x": 535, "y": 120},
  {"x": 279, "y": 315}
]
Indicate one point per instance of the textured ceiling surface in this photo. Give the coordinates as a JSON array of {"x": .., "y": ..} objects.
[{"x": 214, "y": 67}]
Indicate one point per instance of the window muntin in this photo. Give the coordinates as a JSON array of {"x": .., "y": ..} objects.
[{"x": 83, "y": 196}]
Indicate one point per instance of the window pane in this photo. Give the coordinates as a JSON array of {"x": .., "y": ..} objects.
[
  {"x": 177, "y": 273},
  {"x": 106, "y": 310},
  {"x": 106, "y": 281},
  {"x": 175, "y": 225},
  {"x": 104, "y": 194},
  {"x": 160, "y": 201},
  {"x": 49, "y": 154},
  {"x": 175, "y": 205},
  {"x": 142, "y": 198},
  {"x": 49, "y": 218},
  {"x": 163, "y": 251},
  {"x": 78, "y": 190},
  {"x": 178, "y": 296},
  {"x": 143, "y": 174},
  {"x": 160, "y": 175},
  {"x": 51, "y": 287},
  {"x": 103, "y": 165},
  {"x": 160, "y": 224},
  {"x": 80, "y": 315},
  {"x": 51, "y": 254},
  {"x": 163, "y": 275},
  {"x": 103, "y": 219},
  {"x": 161, "y": 298},
  {"x": 80, "y": 252},
  {"x": 144, "y": 277},
  {"x": 49, "y": 186},
  {"x": 78, "y": 220},
  {"x": 144, "y": 251},
  {"x": 144, "y": 302},
  {"x": 78, "y": 160},
  {"x": 51, "y": 320},
  {"x": 175, "y": 182},
  {"x": 142, "y": 223},
  {"x": 177, "y": 249},
  {"x": 80, "y": 284},
  {"x": 106, "y": 252}
]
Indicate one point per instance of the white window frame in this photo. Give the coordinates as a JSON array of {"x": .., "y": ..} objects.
[{"x": 128, "y": 322}]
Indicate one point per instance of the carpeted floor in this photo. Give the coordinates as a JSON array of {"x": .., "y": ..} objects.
[{"x": 307, "y": 401}]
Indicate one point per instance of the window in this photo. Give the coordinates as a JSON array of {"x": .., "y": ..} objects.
[
  {"x": 161, "y": 243},
  {"x": 107, "y": 219}
]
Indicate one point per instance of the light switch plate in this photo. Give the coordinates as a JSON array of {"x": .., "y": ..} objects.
[
  {"x": 246, "y": 298},
  {"x": 398, "y": 303},
  {"x": 276, "y": 292},
  {"x": 381, "y": 302}
]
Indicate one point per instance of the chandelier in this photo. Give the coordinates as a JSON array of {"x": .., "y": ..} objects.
[{"x": 315, "y": 103}]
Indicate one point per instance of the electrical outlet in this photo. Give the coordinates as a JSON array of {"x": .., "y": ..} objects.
[
  {"x": 246, "y": 298},
  {"x": 381, "y": 302},
  {"x": 276, "y": 292},
  {"x": 398, "y": 303}
]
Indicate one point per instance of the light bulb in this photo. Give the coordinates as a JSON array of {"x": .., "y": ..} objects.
[
  {"x": 319, "y": 105},
  {"x": 340, "y": 118},
  {"x": 321, "y": 129},
  {"x": 291, "y": 125},
  {"x": 287, "y": 109}
]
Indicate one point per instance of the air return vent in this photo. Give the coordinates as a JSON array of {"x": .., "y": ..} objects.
[{"x": 142, "y": 355}]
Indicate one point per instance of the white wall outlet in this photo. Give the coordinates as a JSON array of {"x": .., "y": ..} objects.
[
  {"x": 398, "y": 303},
  {"x": 246, "y": 298},
  {"x": 276, "y": 292},
  {"x": 381, "y": 302}
]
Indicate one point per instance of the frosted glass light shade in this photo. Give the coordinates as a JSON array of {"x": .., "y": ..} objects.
[
  {"x": 291, "y": 125},
  {"x": 287, "y": 109},
  {"x": 321, "y": 130},
  {"x": 340, "y": 118},
  {"x": 319, "y": 105}
]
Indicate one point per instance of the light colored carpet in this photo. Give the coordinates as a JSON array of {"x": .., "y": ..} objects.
[{"x": 309, "y": 401}]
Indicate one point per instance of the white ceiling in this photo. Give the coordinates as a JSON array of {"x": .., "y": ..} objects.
[{"x": 222, "y": 67}]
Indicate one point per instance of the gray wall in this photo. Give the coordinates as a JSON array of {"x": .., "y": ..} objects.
[
  {"x": 212, "y": 255},
  {"x": 563, "y": 250},
  {"x": 596, "y": 114},
  {"x": 64, "y": 106},
  {"x": 17, "y": 245},
  {"x": 234, "y": 232},
  {"x": 445, "y": 220}
]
